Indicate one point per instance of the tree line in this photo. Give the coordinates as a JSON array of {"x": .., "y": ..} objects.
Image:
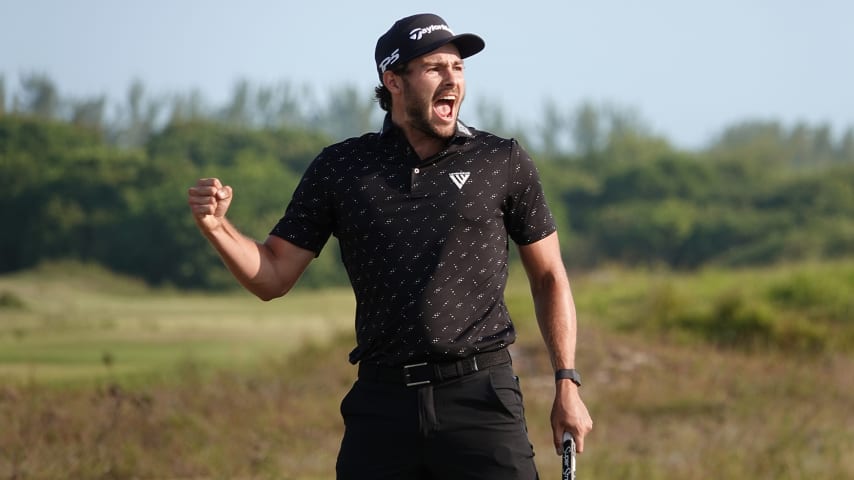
[{"x": 80, "y": 184}]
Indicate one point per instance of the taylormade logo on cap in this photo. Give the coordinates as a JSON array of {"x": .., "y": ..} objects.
[{"x": 418, "y": 33}]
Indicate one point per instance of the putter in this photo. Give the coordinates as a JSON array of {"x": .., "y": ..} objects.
[{"x": 568, "y": 463}]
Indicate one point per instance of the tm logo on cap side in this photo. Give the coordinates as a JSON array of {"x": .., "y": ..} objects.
[{"x": 395, "y": 56}]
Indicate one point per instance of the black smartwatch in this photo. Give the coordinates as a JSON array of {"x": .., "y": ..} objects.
[{"x": 568, "y": 374}]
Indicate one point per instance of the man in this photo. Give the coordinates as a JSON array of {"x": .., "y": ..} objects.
[{"x": 422, "y": 211}]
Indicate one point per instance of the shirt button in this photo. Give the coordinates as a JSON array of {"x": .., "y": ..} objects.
[{"x": 417, "y": 170}]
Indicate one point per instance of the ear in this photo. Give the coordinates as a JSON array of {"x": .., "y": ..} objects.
[{"x": 392, "y": 81}]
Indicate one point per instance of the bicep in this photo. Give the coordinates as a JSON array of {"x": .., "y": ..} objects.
[
  {"x": 542, "y": 257},
  {"x": 287, "y": 260}
]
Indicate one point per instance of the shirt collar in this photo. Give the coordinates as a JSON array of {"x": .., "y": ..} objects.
[{"x": 463, "y": 131}]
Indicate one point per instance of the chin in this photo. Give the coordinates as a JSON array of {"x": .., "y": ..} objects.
[{"x": 445, "y": 129}]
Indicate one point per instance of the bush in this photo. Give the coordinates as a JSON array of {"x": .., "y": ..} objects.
[
  {"x": 734, "y": 320},
  {"x": 11, "y": 301}
]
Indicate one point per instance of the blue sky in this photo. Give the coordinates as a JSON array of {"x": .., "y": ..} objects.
[{"x": 689, "y": 68}]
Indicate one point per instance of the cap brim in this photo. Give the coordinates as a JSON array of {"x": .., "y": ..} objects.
[{"x": 468, "y": 44}]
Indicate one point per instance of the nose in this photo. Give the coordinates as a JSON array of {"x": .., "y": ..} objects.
[{"x": 452, "y": 76}]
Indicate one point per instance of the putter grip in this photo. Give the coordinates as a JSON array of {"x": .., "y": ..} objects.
[{"x": 568, "y": 463}]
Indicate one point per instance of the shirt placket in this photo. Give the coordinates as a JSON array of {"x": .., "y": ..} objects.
[{"x": 418, "y": 181}]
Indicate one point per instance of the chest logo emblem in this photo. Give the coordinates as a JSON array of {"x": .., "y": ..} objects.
[{"x": 459, "y": 178}]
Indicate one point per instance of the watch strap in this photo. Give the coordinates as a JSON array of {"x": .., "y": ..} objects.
[{"x": 570, "y": 374}]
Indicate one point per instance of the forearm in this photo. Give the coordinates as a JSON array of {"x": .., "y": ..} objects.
[{"x": 555, "y": 311}]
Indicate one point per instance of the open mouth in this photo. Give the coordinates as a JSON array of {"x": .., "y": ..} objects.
[{"x": 444, "y": 107}]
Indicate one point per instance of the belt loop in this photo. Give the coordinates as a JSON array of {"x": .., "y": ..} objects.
[{"x": 437, "y": 373}]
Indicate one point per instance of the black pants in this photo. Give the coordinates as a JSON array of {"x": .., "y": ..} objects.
[{"x": 472, "y": 427}]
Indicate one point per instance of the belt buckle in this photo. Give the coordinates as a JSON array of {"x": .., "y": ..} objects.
[{"x": 408, "y": 380}]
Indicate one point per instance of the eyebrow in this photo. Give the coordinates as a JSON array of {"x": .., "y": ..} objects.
[{"x": 439, "y": 63}]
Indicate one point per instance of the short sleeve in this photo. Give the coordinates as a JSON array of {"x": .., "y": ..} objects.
[
  {"x": 309, "y": 219},
  {"x": 527, "y": 216}
]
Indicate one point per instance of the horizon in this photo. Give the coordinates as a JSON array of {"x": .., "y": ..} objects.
[{"x": 689, "y": 71}]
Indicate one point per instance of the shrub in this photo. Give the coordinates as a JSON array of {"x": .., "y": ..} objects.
[{"x": 11, "y": 301}]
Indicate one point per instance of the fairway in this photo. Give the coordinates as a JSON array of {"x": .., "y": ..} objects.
[{"x": 85, "y": 324}]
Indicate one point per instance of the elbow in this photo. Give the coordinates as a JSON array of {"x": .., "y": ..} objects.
[
  {"x": 265, "y": 297},
  {"x": 277, "y": 273},
  {"x": 268, "y": 294},
  {"x": 549, "y": 284},
  {"x": 544, "y": 283}
]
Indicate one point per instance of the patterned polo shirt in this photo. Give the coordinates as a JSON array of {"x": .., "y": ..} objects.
[{"x": 424, "y": 242}]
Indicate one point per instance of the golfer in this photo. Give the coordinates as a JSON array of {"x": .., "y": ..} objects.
[{"x": 423, "y": 211}]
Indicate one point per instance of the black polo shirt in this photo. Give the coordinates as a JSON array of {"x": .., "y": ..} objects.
[{"x": 425, "y": 243}]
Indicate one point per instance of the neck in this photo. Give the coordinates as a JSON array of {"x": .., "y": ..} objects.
[{"x": 425, "y": 144}]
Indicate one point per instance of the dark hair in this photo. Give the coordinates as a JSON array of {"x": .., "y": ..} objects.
[
  {"x": 381, "y": 93},
  {"x": 383, "y": 97}
]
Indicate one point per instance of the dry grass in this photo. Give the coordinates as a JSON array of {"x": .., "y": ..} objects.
[
  {"x": 673, "y": 412},
  {"x": 663, "y": 408},
  {"x": 660, "y": 412},
  {"x": 277, "y": 422}
]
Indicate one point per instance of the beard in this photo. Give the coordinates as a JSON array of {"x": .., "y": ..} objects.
[{"x": 419, "y": 111}]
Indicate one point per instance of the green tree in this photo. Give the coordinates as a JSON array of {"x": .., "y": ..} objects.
[
  {"x": 587, "y": 130},
  {"x": 89, "y": 113},
  {"x": 552, "y": 128},
  {"x": 490, "y": 116},
  {"x": 845, "y": 151},
  {"x": 138, "y": 118},
  {"x": 186, "y": 108},
  {"x": 2, "y": 95},
  {"x": 238, "y": 112},
  {"x": 40, "y": 96},
  {"x": 55, "y": 188},
  {"x": 349, "y": 112}
]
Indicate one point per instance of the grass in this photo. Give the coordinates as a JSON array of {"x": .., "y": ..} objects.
[
  {"x": 73, "y": 323},
  {"x": 666, "y": 404},
  {"x": 806, "y": 308}
]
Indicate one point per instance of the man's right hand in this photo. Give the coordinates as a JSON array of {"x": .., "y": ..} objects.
[{"x": 209, "y": 200}]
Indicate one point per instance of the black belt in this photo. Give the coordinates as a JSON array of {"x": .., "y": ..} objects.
[{"x": 427, "y": 373}]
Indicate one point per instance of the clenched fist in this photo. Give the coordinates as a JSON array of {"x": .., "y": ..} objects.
[{"x": 209, "y": 200}]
